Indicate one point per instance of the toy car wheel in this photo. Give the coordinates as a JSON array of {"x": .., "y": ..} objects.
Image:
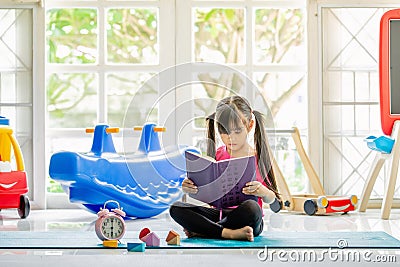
[
  {"x": 276, "y": 206},
  {"x": 24, "y": 207},
  {"x": 322, "y": 202},
  {"x": 353, "y": 200},
  {"x": 310, "y": 207}
]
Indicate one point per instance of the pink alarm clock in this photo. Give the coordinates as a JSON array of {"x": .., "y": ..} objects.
[{"x": 110, "y": 225}]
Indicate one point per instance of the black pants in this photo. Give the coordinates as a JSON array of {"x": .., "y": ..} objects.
[{"x": 206, "y": 221}]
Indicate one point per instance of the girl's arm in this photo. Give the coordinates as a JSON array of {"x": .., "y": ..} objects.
[{"x": 258, "y": 189}]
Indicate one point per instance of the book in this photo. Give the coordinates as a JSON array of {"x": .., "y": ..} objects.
[{"x": 220, "y": 183}]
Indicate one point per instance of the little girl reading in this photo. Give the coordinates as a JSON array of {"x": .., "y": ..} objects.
[{"x": 233, "y": 119}]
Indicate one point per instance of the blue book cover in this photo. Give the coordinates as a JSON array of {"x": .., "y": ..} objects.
[{"x": 220, "y": 183}]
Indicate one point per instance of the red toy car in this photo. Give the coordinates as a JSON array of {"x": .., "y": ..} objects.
[{"x": 13, "y": 184}]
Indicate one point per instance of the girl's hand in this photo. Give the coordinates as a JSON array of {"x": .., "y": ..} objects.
[
  {"x": 253, "y": 188},
  {"x": 189, "y": 187},
  {"x": 258, "y": 189}
]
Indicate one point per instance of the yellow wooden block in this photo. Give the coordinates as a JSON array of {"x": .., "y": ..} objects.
[
  {"x": 110, "y": 243},
  {"x": 174, "y": 241}
]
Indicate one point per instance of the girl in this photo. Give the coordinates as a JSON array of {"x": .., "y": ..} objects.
[{"x": 234, "y": 119}]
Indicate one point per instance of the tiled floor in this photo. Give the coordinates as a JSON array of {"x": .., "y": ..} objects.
[{"x": 81, "y": 220}]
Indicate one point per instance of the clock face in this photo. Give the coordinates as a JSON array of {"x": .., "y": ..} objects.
[{"x": 112, "y": 227}]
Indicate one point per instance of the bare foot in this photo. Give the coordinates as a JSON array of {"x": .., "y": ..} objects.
[
  {"x": 191, "y": 234},
  {"x": 244, "y": 233}
]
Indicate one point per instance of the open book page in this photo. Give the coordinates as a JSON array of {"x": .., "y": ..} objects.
[{"x": 220, "y": 183}]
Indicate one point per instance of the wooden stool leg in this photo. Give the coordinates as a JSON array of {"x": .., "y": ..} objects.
[
  {"x": 377, "y": 164},
  {"x": 390, "y": 186},
  {"x": 394, "y": 166}
]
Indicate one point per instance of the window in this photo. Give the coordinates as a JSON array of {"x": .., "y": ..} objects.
[
  {"x": 16, "y": 80},
  {"x": 264, "y": 44},
  {"x": 99, "y": 57},
  {"x": 350, "y": 83}
]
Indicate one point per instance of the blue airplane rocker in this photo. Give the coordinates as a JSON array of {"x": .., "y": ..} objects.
[{"x": 145, "y": 183}]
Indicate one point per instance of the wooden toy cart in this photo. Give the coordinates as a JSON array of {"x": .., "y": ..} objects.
[{"x": 317, "y": 203}]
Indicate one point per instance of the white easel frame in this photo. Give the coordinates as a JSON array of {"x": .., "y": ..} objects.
[{"x": 379, "y": 160}]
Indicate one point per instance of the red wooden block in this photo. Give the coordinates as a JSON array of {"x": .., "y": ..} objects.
[{"x": 143, "y": 233}]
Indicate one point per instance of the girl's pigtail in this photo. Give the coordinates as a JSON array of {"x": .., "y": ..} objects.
[
  {"x": 211, "y": 150},
  {"x": 263, "y": 154}
]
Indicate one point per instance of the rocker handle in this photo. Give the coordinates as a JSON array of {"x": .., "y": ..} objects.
[
  {"x": 156, "y": 129},
  {"x": 108, "y": 130}
]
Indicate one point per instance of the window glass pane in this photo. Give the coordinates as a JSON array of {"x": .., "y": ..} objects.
[
  {"x": 16, "y": 87},
  {"x": 364, "y": 86},
  {"x": 292, "y": 167},
  {"x": 72, "y": 35},
  {"x": 341, "y": 119},
  {"x": 141, "y": 98},
  {"x": 339, "y": 86},
  {"x": 349, "y": 39},
  {"x": 16, "y": 56},
  {"x": 20, "y": 119},
  {"x": 279, "y": 36},
  {"x": 15, "y": 42},
  {"x": 212, "y": 88},
  {"x": 132, "y": 36},
  {"x": 363, "y": 119},
  {"x": 286, "y": 95},
  {"x": 123, "y": 88},
  {"x": 72, "y": 100},
  {"x": 219, "y": 35},
  {"x": 347, "y": 118}
]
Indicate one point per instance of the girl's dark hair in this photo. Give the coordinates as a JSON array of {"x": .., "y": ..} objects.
[
  {"x": 229, "y": 113},
  {"x": 210, "y": 135}
]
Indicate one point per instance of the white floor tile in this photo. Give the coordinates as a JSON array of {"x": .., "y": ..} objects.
[{"x": 82, "y": 220}]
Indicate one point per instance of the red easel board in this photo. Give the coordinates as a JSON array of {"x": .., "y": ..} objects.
[{"x": 387, "y": 116}]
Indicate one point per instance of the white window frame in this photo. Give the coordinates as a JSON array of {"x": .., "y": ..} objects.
[
  {"x": 181, "y": 22},
  {"x": 178, "y": 52},
  {"x": 36, "y": 192},
  {"x": 166, "y": 59},
  {"x": 315, "y": 32}
]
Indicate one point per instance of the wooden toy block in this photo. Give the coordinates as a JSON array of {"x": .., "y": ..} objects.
[
  {"x": 143, "y": 233},
  {"x": 136, "y": 247},
  {"x": 110, "y": 243},
  {"x": 151, "y": 240},
  {"x": 173, "y": 238}
]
